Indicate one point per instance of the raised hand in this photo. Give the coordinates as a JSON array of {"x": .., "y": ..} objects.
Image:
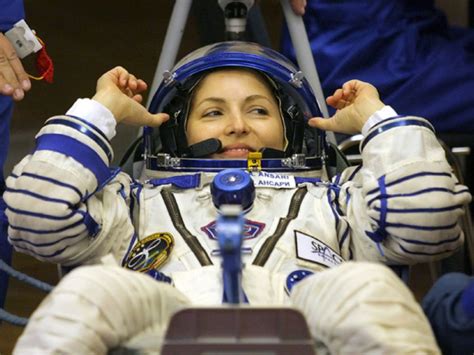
[
  {"x": 355, "y": 102},
  {"x": 120, "y": 92}
]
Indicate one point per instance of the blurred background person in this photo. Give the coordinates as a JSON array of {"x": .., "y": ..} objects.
[{"x": 14, "y": 83}]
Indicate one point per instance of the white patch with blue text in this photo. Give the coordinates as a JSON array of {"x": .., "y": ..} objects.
[
  {"x": 311, "y": 249},
  {"x": 278, "y": 181}
]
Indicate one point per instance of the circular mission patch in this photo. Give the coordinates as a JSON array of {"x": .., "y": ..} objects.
[{"x": 150, "y": 253}]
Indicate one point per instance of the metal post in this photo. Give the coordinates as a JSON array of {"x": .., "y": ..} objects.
[
  {"x": 170, "y": 48},
  {"x": 305, "y": 59}
]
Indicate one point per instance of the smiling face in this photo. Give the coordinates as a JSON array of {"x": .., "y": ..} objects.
[{"x": 237, "y": 107}]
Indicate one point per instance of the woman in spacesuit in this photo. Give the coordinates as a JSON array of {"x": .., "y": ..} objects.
[{"x": 307, "y": 241}]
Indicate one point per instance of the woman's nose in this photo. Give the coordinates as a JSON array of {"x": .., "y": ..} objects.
[{"x": 238, "y": 124}]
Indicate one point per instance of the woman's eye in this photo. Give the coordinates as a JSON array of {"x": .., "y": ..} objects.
[
  {"x": 212, "y": 113},
  {"x": 260, "y": 111}
]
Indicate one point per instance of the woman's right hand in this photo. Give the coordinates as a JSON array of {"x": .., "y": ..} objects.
[
  {"x": 120, "y": 92},
  {"x": 355, "y": 102}
]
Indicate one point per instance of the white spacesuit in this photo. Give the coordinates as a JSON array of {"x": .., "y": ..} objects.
[{"x": 400, "y": 207}]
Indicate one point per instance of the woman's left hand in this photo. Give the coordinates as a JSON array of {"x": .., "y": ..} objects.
[{"x": 355, "y": 102}]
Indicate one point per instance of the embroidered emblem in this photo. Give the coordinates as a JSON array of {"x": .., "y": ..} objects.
[
  {"x": 251, "y": 229},
  {"x": 312, "y": 249},
  {"x": 150, "y": 253},
  {"x": 295, "y": 277}
]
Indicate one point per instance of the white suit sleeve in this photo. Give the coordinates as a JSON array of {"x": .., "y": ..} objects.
[
  {"x": 363, "y": 308},
  {"x": 98, "y": 308},
  {"x": 403, "y": 204},
  {"x": 64, "y": 203}
]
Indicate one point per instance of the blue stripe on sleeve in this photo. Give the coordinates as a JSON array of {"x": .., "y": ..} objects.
[
  {"x": 78, "y": 151},
  {"x": 136, "y": 189},
  {"x": 422, "y": 228},
  {"x": 388, "y": 126},
  {"x": 420, "y": 242},
  {"x": 356, "y": 170},
  {"x": 91, "y": 125},
  {"x": 380, "y": 234},
  {"x": 425, "y": 253},
  {"x": 409, "y": 177},
  {"x": 92, "y": 226},
  {"x": 113, "y": 173},
  {"x": 348, "y": 195},
  {"x": 344, "y": 236},
  {"x": 54, "y": 181},
  {"x": 38, "y": 196},
  {"x": 56, "y": 253},
  {"x": 40, "y": 231},
  {"x": 130, "y": 245},
  {"x": 336, "y": 189},
  {"x": 331, "y": 204},
  {"x": 419, "y": 210},
  {"x": 42, "y": 215},
  {"x": 378, "y": 124},
  {"x": 84, "y": 130},
  {"x": 21, "y": 240},
  {"x": 420, "y": 192}
]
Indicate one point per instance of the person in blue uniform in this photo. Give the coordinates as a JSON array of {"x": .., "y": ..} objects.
[
  {"x": 14, "y": 83},
  {"x": 449, "y": 306},
  {"x": 405, "y": 48}
]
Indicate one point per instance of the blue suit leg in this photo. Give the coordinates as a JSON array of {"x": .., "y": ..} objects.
[{"x": 6, "y": 107}]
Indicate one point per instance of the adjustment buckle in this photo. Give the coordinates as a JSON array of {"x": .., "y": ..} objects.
[
  {"x": 297, "y": 161},
  {"x": 254, "y": 161},
  {"x": 166, "y": 161}
]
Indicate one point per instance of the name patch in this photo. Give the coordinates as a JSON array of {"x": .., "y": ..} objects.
[
  {"x": 312, "y": 249},
  {"x": 278, "y": 181}
]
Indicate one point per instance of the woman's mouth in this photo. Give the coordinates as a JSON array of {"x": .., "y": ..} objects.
[{"x": 236, "y": 151}]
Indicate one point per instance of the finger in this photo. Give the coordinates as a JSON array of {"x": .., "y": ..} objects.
[
  {"x": 132, "y": 82},
  {"x": 349, "y": 97},
  {"x": 122, "y": 75},
  {"x": 20, "y": 74},
  {"x": 7, "y": 72},
  {"x": 158, "y": 119},
  {"x": 358, "y": 87},
  {"x": 331, "y": 101},
  {"x": 5, "y": 87},
  {"x": 10, "y": 65},
  {"x": 138, "y": 98},
  {"x": 128, "y": 92},
  {"x": 18, "y": 94},
  {"x": 334, "y": 98},
  {"x": 350, "y": 86},
  {"x": 148, "y": 119},
  {"x": 326, "y": 124},
  {"x": 332, "y": 124},
  {"x": 142, "y": 86},
  {"x": 341, "y": 104}
]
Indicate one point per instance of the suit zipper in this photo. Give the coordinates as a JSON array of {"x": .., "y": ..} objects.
[
  {"x": 177, "y": 219},
  {"x": 269, "y": 244}
]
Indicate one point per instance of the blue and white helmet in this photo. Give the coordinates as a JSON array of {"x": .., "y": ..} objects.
[{"x": 292, "y": 90}]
